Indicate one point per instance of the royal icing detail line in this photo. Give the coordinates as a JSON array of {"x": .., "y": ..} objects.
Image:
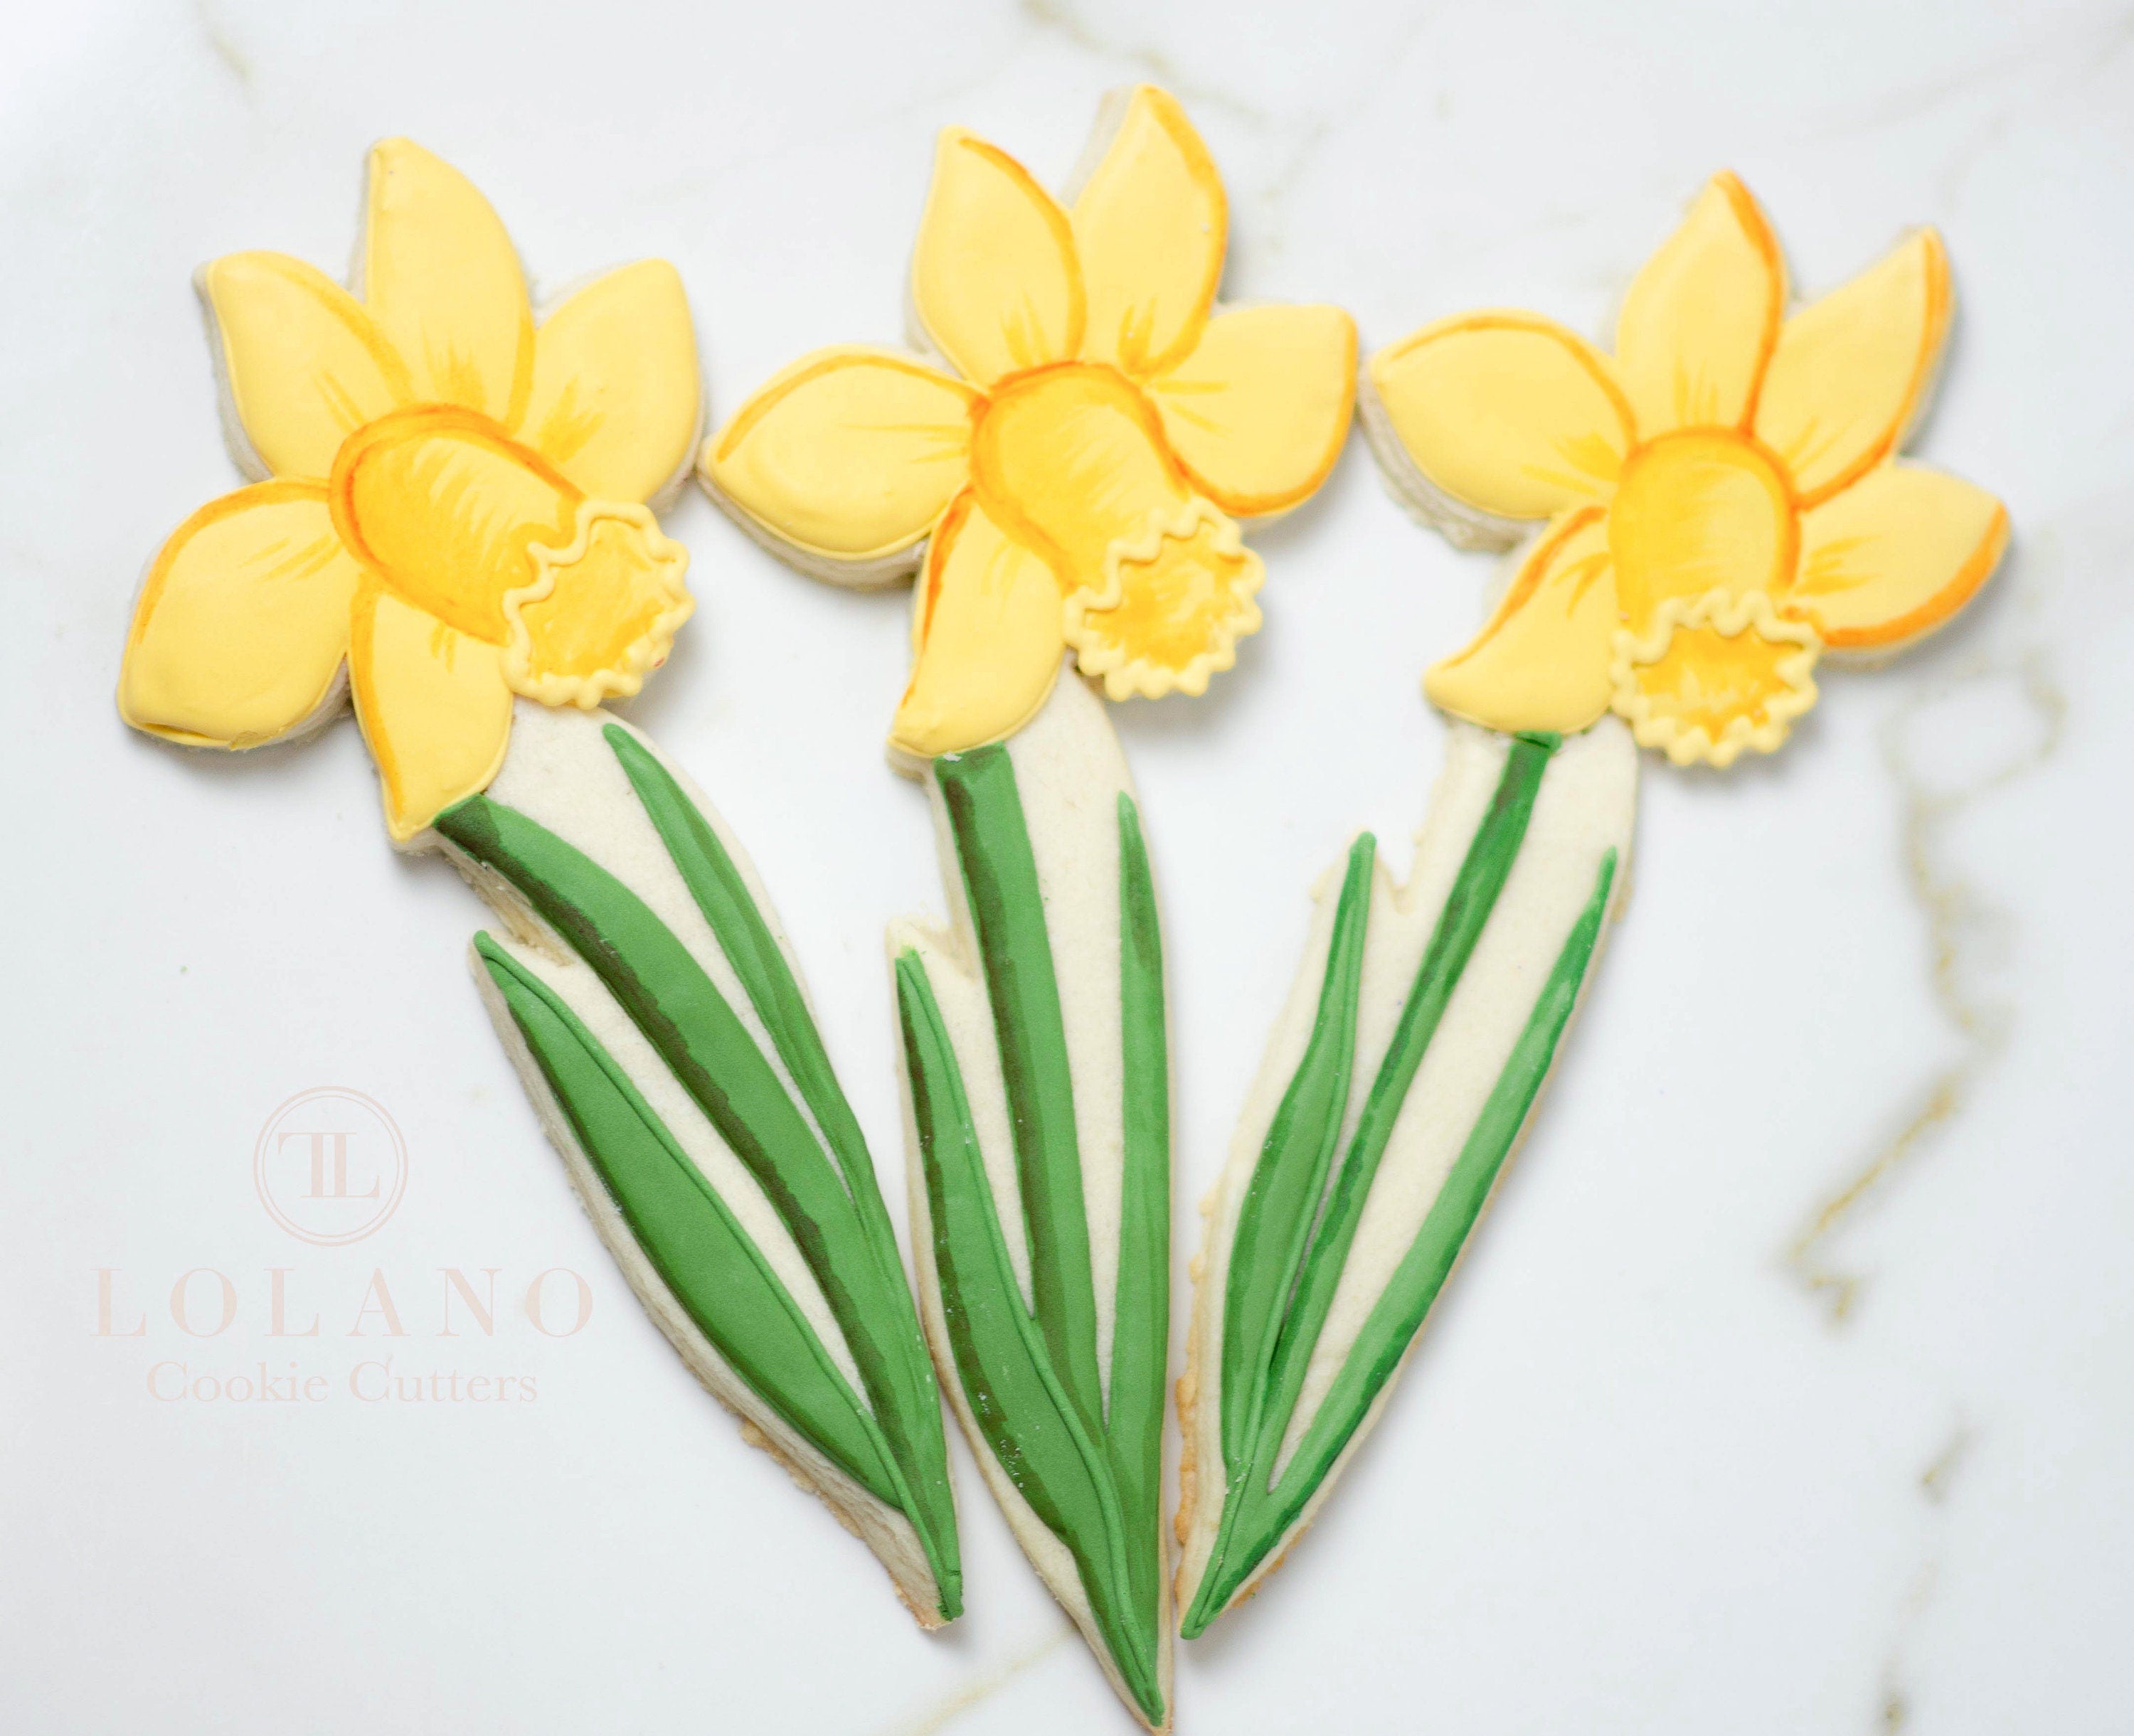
[
  {"x": 1067, "y": 465},
  {"x": 455, "y": 529},
  {"x": 1720, "y": 504}
]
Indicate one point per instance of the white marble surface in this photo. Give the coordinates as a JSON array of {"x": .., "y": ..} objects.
[{"x": 1789, "y": 1389}]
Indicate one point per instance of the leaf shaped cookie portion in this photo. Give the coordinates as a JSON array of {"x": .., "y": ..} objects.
[
  {"x": 1418, "y": 1042},
  {"x": 639, "y": 917}
]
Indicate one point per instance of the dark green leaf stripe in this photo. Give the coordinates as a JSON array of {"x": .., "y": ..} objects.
[
  {"x": 1141, "y": 1321},
  {"x": 1290, "y": 1180},
  {"x": 709, "y": 1262},
  {"x": 666, "y": 993},
  {"x": 1008, "y": 909},
  {"x": 1246, "y": 1530},
  {"x": 1033, "y": 1427},
  {"x": 707, "y": 868}
]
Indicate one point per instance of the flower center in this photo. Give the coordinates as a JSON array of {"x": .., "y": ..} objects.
[
  {"x": 1716, "y": 674},
  {"x": 445, "y": 507},
  {"x": 1183, "y": 598},
  {"x": 1069, "y": 459},
  {"x": 1698, "y": 511}
]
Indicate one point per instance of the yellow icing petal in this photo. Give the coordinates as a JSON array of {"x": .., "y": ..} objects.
[
  {"x": 1185, "y": 592},
  {"x": 1851, "y": 371},
  {"x": 1507, "y": 413},
  {"x": 1895, "y": 556},
  {"x": 1716, "y": 674},
  {"x": 1151, "y": 225},
  {"x": 443, "y": 283},
  {"x": 986, "y": 635},
  {"x": 303, "y": 363},
  {"x": 850, "y": 452},
  {"x": 1258, "y": 411},
  {"x": 444, "y": 508},
  {"x": 433, "y": 705},
  {"x": 1697, "y": 511},
  {"x": 1701, "y": 318},
  {"x": 993, "y": 277},
  {"x": 616, "y": 393},
  {"x": 1541, "y": 663},
  {"x": 602, "y": 611},
  {"x": 1070, "y": 460},
  {"x": 242, "y": 623}
]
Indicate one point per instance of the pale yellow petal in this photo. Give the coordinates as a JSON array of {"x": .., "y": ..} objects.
[
  {"x": 441, "y": 278},
  {"x": 617, "y": 389},
  {"x": 1258, "y": 409},
  {"x": 242, "y": 623},
  {"x": 1851, "y": 371},
  {"x": 433, "y": 705},
  {"x": 993, "y": 277},
  {"x": 1151, "y": 225},
  {"x": 1541, "y": 663},
  {"x": 600, "y": 612},
  {"x": 1507, "y": 413},
  {"x": 850, "y": 452},
  {"x": 302, "y": 361},
  {"x": 1896, "y": 555},
  {"x": 1701, "y": 318},
  {"x": 986, "y": 635}
]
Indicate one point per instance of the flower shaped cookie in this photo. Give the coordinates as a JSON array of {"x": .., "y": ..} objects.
[
  {"x": 1723, "y": 497},
  {"x": 456, "y": 512},
  {"x": 1080, "y": 472}
]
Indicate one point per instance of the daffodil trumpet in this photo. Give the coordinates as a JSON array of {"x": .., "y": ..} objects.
[
  {"x": 1067, "y": 461},
  {"x": 451, "y": 524},
  {"x": 1712, "y": 509}
]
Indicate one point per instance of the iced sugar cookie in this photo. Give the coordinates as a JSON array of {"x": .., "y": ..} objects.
[
  {"x": 452, "y": 525},
  {"x": 1713, "y": 508},
  {"x": 1066, "y": 462}
]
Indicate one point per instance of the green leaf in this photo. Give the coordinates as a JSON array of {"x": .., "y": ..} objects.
[
  {"x": 1141, "y": 1321},
  {"x": 702, "y": 1253},
  {"x": 1008, "y": 909},
  {"x": 913, "y": 1422},
  {"x": 666, "y": 993},
  {"x": 1290, "y": 1180},
  {"x": 1032, "y": 1424}
]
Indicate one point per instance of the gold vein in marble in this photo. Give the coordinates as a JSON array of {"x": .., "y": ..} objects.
[{"x": 1959, "y": 917}]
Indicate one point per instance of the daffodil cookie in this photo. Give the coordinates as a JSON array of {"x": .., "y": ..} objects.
[
  {"x": 1712, "y": 509},
  {"x": 451, "y": 524},
  {"x": 1066, "y": 466}
]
